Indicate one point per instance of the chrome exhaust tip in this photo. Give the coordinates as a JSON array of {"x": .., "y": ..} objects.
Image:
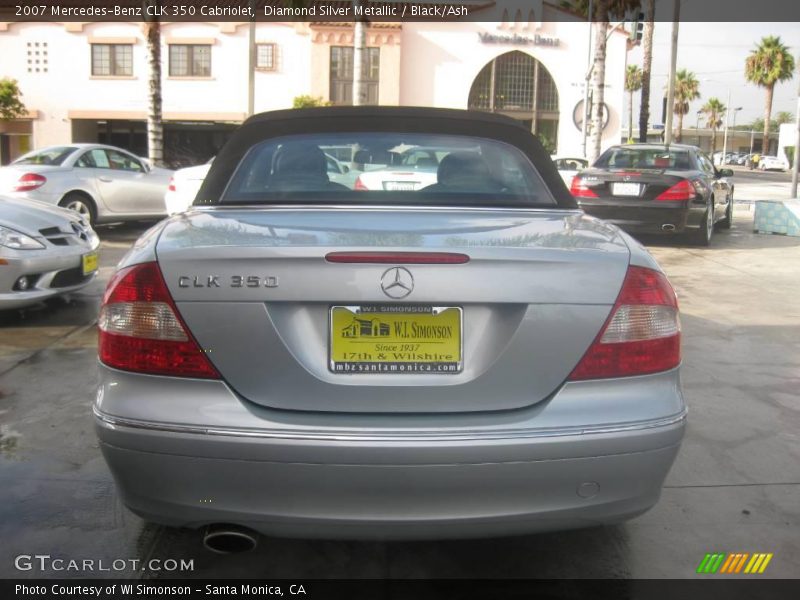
[
  {"x": 668, "y": 227},
  {"x": 229, "y": 539}
]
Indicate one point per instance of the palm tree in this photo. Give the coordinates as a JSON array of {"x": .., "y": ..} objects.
[
  {"x": 647, "y": 63},
  {"x": 783, "y": 117},
  {"x": 155, "y": 125},
  {"x": 604, "y": 10},
  {"x": 686, "y": 89},
  {"x": 633, "y": 83},
  {"x": 767, "y": 65},
  {"x": 714, "y": 109},
  {"x": 359, "y": 55}
]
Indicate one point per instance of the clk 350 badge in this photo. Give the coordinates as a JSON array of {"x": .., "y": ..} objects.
[{"x": 235, "y": 281}]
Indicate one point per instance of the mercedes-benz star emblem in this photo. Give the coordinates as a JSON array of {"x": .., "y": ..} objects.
[{"x": 397, "y": 282}]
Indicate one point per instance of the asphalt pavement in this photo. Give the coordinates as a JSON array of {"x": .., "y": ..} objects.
[
  {"x": 760, "y": 185},
  {"x": 734, "y": 488}
]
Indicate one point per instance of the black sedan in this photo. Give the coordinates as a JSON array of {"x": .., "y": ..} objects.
[{"x": 652, "y": 188}]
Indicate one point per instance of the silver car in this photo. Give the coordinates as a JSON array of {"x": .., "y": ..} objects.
[
  {"x": 475, "y": 358},
  {"x": 102, "y": 183},
  {"x": 45, "y": 251}
]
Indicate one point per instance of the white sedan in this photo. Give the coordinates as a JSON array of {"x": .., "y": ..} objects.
[
  {"x": 773, "y": 163},
  {"x": 183, "y": 187},
  {"x": 185, "y": 183},
  {"x": 45, "y": 251},
  {"x": 569, "y": 166},
  {"x": 102, "y": 183}
]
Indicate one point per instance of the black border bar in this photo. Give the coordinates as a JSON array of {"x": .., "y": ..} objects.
[
  {"x": 731, "y": 588},
  {"x": 522, "y": 11}
]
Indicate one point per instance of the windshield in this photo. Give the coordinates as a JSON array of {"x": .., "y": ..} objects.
[
  {"x": 387, "y": 168},
  {"x": 621, "y": 157},
  {"x": 48, "y": 156}
]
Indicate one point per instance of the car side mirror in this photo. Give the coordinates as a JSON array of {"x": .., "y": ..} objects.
[
  {"x": 725, "y": 173},
  {"x": 345, "y": 169}
]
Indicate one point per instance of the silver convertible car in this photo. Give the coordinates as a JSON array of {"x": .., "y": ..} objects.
[
  {"x": 45, "y": 251},
  {"x": 102, "y": 183},
  {"x": 473, "y": 358}
]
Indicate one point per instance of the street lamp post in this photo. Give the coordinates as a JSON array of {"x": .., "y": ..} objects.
[
  {"x": 725, "y": 137},
  {"x": 736, "y": 110},
  {"x": 727, "y": 112},
  {"x": 697, "y": 127},
  {"x": 796, "y": 165}
]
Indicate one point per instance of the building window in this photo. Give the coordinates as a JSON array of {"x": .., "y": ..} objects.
[
  {"x": 518, "y": 85},
  {"x": 190, "y": 60},
  {"x": 112, "y": 60},
  {"x": 265, "y": 57},
  {"x": 342, "y": 74}
]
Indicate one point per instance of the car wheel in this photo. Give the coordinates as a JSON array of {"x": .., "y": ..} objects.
[
  {"x": 81, "y": 205},
  {"x": 702, "y": 236},
  {"x": 727, "y": 221}
]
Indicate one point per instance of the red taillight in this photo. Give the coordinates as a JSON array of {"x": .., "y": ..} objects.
[
  {"x": 408, "y": 258},
  {"x": 141, "y": 330},
  {"x": 579, "y": 189},
  {"x": 642, "y": 335},
  {"x": 683, "y": 190},
  {"x": 28, "y": 182},
  {"x": 359, "y": 185},
  {"x": 171, "y": 186}
]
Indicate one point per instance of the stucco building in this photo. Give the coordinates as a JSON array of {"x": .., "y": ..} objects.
[{"x": 85, "y": 82}]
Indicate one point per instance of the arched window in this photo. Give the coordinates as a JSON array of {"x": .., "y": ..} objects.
[{"x": 518, "y": 85}]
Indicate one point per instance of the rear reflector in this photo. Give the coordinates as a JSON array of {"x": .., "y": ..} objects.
[
  {"x": 171, "y": 186},
  {"x": 28, "y": 182},
  {"x": 642, "y": 335},
  {"x": 683, "y": 190},
  {"x": 359, "y": 185},
  {"x": 579, "y": 189},
  {"x": 141, "y": 330},
  {"x": 408, "y": 258}
]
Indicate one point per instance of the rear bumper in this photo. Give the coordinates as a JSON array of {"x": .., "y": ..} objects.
[
  {"x": 392, "y": 501},
  {"x": 648, "y": 217},
  {"x": 491, "y": 475}
]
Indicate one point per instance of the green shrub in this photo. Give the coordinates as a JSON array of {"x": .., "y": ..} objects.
[{"x": 307, "y": 101}]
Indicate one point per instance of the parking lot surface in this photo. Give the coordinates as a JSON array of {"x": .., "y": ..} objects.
[{"x": 734, "y": 488}]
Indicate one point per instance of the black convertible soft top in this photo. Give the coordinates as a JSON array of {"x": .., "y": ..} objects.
[{"x": 397, "y": 119}]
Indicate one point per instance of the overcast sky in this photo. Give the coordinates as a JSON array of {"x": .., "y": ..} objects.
[{"x": 716, "y": 53}]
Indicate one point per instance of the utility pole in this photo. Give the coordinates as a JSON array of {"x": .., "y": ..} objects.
[
  {"x": 796, "y": 138},
  {"x": 725, "y": 137},
  {"x": 673, "y": 67}
]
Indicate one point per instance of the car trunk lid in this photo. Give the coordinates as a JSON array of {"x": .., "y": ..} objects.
[
  {"x": 635, "y": 185},
  {"x": 256, "y": 291}
]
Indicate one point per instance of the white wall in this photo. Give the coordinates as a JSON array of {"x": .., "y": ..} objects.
[
  {"x": 69, "y": 86},
  {"x": 786, "y": 138},
  {"x": 441, "y": 60}
]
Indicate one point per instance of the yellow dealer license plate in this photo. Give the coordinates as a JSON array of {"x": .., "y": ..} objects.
[
  {"x": 89, "y": 263},
  {"x": 396, "y": 339}
]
